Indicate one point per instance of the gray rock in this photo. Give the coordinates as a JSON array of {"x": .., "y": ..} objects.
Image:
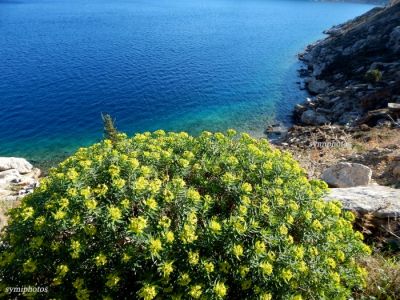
[
  {"x": 310, "y": 117},
  {"x": 394, "y": 41},
  {"x": 345, "y": 174},
  {"x": 20, "y": 164},
  {"x": 381, "y": 201},
  {"x": 317, "y": 86}
]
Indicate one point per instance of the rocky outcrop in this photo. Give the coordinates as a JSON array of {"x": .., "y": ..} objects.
[
  {"x": 344, "y": 174},
  {"x": 21, "y": 165},
  {"x": 380, "y": 201},
  {"x": 354, "y": 74},
  {"x": 17, "y": 178}
]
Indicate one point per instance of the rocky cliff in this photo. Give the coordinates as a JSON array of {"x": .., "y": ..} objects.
[{"x": 354, "y": 74}]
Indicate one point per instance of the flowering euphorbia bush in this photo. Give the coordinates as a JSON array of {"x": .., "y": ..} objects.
[{"x": 171, "y": 216}]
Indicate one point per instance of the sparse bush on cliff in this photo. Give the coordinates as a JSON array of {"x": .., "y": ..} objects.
[
  {"x": 169, "y": 216},
  {"x": 373, "y": 76}
]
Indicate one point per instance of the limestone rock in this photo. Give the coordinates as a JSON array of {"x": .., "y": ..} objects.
[
  {"x": 381, "y": 201},
  {"x": 345, "y": 174},
  {"x": 19, "y": 164}
]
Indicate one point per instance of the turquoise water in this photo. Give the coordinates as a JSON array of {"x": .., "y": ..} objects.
[{"x": 188, "y": 65}]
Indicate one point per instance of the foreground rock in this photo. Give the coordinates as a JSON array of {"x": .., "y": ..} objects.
[
  {"x": 346, "y": 174},
  {"x": 380, "y": 201}
]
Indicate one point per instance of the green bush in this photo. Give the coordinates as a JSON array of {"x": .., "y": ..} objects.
[
  {"x": 373, "y": 76},
  {"x": 170, "y": 216}
]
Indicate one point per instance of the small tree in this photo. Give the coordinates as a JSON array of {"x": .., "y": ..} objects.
[
  {"x": 373, "y": 76},
  {"x": 110, "y": 130}
]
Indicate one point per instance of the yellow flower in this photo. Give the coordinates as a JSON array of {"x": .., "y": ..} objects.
[
  {"x": 224, "y": 267},
  {"x": 148, "y": 292},
  {"x": 91, "y": 204},
  {"x": 265, "y": 296},
  {"x": 72, "y": 192},
  {"x": 82, "y": 294},
  {"x": 155, "y": 246},
  {"x": 243, "y": 271},
  {"x": 126, "y": 257},
  {"x": 266, "y": 268},
  {"x": 340, "y": 255},
  {"x": 141, "y": 184},
  {"x": 114, "y": 171},
  {"x": 331, "y": 262},
  {"x": 297, "y": 297},
  {"x": 193, "y": 195},
  {"x": 86, "y": 192},
  {"x": 100, "y": 260},
  {"x": 286, "y": 275},
  {"x": 184, "y": 279},
  {"x": 29, "y": 266},
  {"x": 27, "y": 213},
  {"x": 134, "y": 163},
  {"x": 209, "y": 267},
  {"x": 215, "y": 226},
  {"x": 316, "y": 225},
  {"x": 165, "y": 222},
  {"x": 78, "y": 283},
  {"x": 228, "y": 178},
  {"x": 137, "y": 225},
  {"x": 189, "y": 234},
  {"x": 220, "y": 289},
  {"x": 335, "y": 277},
  {"x": 166, "y": 269},
  {"x": 259, "y": 247},
  {"x": 64, "y": 202},
  {"x": 195, "y": 291},
  {"x": 59, "y": 215},
  {"x": 62, "y": 270},
  {"x": 90, "y": 229},
  {"x": 246, "y": 188},
  {"x": 151, "y": 203},
  {"x": 237, "y": 251},
  {"x": 36, "y": 242},
  {"x": 283, "y": 230},
  {"x": 112, "y": 280},
  {"x": 119, "y": 183},
  {"x": 39, "y": 222},
  {"x": 125, "y": 203},
  {"x": 246, "y": 284},
  {"x": 169, "y": 236},
  {"x": 72, "y": 174},
  {"x": 193, "y": 257},
  {"x": 298, "y": 252},
  {"x": 114, "y": 213}
]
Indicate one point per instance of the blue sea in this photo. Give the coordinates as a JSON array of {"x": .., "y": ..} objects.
[{"x": 187, "y": 65}]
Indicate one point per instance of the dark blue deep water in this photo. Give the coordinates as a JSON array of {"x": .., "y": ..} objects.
[{"x": 174, "y": 64}]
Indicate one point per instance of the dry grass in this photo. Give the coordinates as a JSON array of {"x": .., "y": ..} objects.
[
  {"x": 383, "y": 281},
  {"x": 4, "y": 207}
]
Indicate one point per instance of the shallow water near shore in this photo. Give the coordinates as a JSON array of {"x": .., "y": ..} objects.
[{"x": 177, "y": 65}]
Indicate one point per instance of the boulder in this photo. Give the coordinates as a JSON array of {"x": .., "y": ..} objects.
[
  {"x": 19, "y": 164},
  {"x": 317, "y": 86},
  {"x": 345, "y": 174},
  {"x": 380, "y": 201},
  {"x": 311, "y": 117}
]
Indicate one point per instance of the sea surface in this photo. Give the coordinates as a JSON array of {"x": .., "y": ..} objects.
[{"x": 187, "y": 65}]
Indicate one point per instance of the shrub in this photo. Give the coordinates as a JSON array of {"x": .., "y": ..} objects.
[
  {"x": 383, "y": 281},
  {"x": 373, "y": 76},
  {"x": 172, "y": 216}
]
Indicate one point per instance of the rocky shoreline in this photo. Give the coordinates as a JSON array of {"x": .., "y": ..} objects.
[{"x": 354, "y": 74}]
